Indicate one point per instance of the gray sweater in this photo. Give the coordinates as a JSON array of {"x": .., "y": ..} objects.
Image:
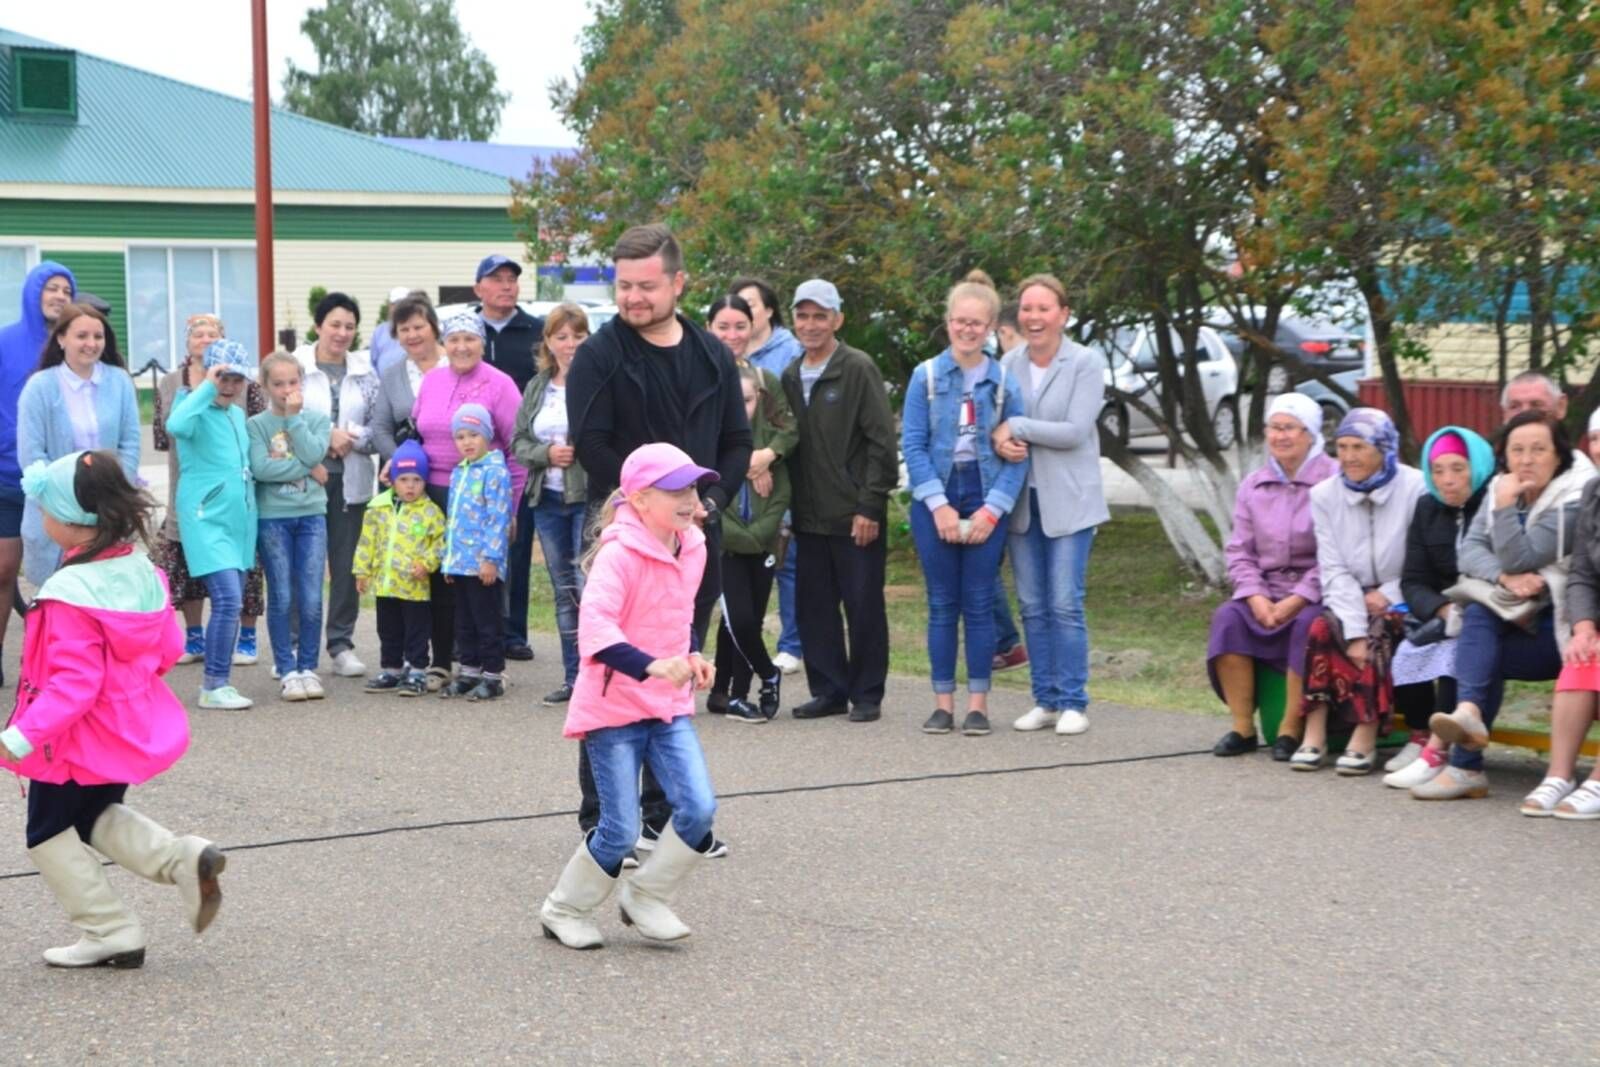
[{"x": 1063, "y": 439}]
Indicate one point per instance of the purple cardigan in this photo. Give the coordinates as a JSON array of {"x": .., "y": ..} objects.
[
  {"x": 1273, "y": 550},
  {"x": 443, "y": 391}
]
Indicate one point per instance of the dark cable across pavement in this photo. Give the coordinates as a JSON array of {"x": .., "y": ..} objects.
[{"x": 823, "y": 787}]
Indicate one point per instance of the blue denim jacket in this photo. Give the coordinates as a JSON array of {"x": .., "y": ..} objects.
[{"x": 928, "y": 435}]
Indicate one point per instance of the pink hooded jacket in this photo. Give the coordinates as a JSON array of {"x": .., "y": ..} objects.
[
  {"x": 91, "y": 701},
  {"x": 639, "y": 593}
]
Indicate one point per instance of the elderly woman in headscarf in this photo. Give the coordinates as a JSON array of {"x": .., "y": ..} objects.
[
  {"x": 1361, "y": 519},
  {"x": 1272, "y": 566},
  {"x": 1459, "y": 466},
  {"x": 1514, "y": 565}
]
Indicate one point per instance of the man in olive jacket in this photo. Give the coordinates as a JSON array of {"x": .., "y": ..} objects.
[{"x": 843, "y": 471}]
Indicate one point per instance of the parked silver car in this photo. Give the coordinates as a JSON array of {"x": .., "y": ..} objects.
[{"x": 1131, "y": 354}]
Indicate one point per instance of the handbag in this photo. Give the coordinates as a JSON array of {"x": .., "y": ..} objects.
[
  {"x": 1498, "y": 599},
  {"x": 406, "y": 430}
]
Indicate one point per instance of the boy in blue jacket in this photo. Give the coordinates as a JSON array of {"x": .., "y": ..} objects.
[{"x": 475, "y": 554}]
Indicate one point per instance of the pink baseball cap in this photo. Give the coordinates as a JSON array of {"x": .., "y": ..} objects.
[{"x": 662, "y": 466}]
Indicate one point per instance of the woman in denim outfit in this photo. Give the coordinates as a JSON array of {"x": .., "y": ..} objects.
[{"x": 962, "y": 492}]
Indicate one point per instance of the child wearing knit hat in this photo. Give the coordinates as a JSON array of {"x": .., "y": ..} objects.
[
  {"x": 402, "y": 543},
  {"x": 481, "y": 506}
]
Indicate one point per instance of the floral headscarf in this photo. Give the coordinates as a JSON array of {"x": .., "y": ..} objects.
[
  {"x": 205, "y": 318},
  {"x": 1377, "y": 430}
]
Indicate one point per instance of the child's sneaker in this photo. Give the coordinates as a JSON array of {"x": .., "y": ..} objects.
[
  {"x": 461, "y": 685},
  {"x": 293, "y": 688},
  {"x": 194, "y": 645},
  {"x": 384, "y": 682},
  {"x": 740, "y": 710},
  {"x": 414, "y": 684},
  {"x": 771, "y": 690},
  {"x": 225, "y": 697},
  {"x": 313, "y": 685},
  {"x": 244, "y": 653},
  {"x": 437, "y": 678},
  {"x": 488, "y": 689}
]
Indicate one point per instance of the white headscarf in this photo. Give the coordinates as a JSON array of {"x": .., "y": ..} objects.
[
  {"x": 1594, "y": 421},
  {"x": 1306, "y": 412}
]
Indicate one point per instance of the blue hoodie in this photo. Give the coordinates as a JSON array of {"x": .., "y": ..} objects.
[{"x": 21, "y": 344}]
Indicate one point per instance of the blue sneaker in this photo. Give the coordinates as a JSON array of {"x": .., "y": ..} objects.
[
  {"x": 194, "y": 645},
  {"x": 244, "y": 653}
]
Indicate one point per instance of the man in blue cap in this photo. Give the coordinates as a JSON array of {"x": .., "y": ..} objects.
[{"x": 511, "y": 339}]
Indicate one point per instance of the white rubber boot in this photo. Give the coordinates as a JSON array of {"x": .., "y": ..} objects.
[
  {"x": 646, "y": 897},
  {"x": 567, "y": 914},
  {"x": 111, "y": 935},
  {"x": 151, "y": 851}
]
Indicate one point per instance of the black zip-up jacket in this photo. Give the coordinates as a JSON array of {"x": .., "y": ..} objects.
[
  {"x": 1431, "y": 541},
  {"x": 848, "y": 461},
  {"x": 515, "y": 348},
  {"x": 612, "y": 412}
]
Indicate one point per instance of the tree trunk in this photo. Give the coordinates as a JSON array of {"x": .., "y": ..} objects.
[{"x": 1196, "y": 548}]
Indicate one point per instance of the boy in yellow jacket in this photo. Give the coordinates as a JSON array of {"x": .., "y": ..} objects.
[{"x": 402, "y": 543}]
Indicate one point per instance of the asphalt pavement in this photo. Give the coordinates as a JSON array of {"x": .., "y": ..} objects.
[{"x": 890, "y": 897}]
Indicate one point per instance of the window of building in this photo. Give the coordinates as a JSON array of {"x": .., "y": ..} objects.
[
  {"x": 15, "y": 263},
  {"x": 168, "y": 284}
]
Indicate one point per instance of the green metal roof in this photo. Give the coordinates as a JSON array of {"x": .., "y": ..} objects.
[{"x": 143, "y": 130}]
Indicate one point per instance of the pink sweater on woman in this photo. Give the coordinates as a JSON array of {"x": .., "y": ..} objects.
[{"x": 442, "y": 392}]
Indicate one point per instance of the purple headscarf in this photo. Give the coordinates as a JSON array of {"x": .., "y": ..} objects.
[{"x": 1376, "y": 429}]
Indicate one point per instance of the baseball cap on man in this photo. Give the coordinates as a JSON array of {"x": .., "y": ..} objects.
[
  {"x": 819, "y": 292},
  {"x": 490, "y": 264},
  {"x": 661, "y": 466}
]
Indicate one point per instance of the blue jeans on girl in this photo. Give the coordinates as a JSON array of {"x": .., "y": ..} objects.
[
  {"x": 672, "y": 751},
  {"x": 1050, "y": 578},
  {"x": 560, "y": 527},
  {"x": 961, "y": 585},
  {"x": 226, "y": 590},
  {"x": 294, "y": 554}
]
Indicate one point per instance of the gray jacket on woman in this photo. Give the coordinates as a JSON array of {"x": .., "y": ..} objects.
[
  {"x": 1063, "y": 439},
  {"x": 1583, "y": 583},
  {"x": 392, "y": 407}
]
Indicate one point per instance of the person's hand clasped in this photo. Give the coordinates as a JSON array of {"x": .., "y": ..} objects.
[
  {"x": 1287, "y": 608},
  {"x": 319, "y": 474},
  {"x": 1261, "y": 608},
  {"x": 864, "y": 531},
  {"x": 675, "y": 669},
  {"x": 562, "y": 455},
  {"x": 1376, "y": 602},
  {"x": 981, "y": 527},
  {"x": 1526, "y": 586},
  {"x": 339, "y": 443},
  {"x": 419, "y": 569},
  {"x": 1584, "y": 648},
  {"x": 947, "y": 522},
  {"x": 1007, "y": 446},
  {"x": 761, "y": 484},
  {"x": 704, "y": 673},
  {"x": 488, "y": 573}
]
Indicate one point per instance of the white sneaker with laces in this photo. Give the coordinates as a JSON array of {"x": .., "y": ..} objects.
[
  {"x": 1414, "y": 773},
  {"x": 786, "y": 663},
  {"x": 1072, "y": 721},
  {"x": 293, "y": 688},
  {"x": 312, "y": 685},
  {"x": 1036, "y": 719},
  {"x": 1405, "y": 757},
  {"x": 225, "y": 697},
  {"x": 1545, "y": 796},
  {"x": 345, "y": 665},
  {"x": 1582, "y": 804}
]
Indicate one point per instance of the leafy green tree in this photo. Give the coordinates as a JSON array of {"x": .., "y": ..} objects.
[{"x": 396, "y": 68}]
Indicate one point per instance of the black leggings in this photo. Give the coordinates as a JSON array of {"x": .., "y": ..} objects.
[
  {"x": 1416, "y": 702},
  {"x": 741, "y": 646},
  {"x": 53, "y": 809}
]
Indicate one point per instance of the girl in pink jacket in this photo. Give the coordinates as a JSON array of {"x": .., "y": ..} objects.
[
  {"x": 640, "y": 664},
  {"x": 93, "y": 715}
]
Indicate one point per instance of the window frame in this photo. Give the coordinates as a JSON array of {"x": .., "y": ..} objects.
[{"x": 168, "y": 247}]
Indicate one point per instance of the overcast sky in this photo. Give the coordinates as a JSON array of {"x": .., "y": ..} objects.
[{"x": 207, "y": 42}]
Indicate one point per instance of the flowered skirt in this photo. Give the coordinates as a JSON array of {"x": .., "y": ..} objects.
[
  {"x": 1353, "y": 695},
  {"x": 169, "y": 557}
]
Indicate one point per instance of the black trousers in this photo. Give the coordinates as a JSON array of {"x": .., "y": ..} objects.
[
  {"x": 832, "y": 572},
  {"x": 53, "y": 809},
  {"x": 741, "y": 646},
  {"x": 442, "y": 598},
  {"x": 403, "y": 629},
  {"x": 480, "y": 625},
  {"x": 1418, "y": 701},
  {"x": 710, "y": 583}
]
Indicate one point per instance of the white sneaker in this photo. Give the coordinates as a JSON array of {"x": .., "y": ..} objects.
[
  {"x": 345, "y": 665},
  {"x": 1414, "y": 773},
  {"x": 312, "y": 685},
  {"x": 1545, "y": 796},
  {"x": 786, "y": 663},
  {"x": 1072, "y": 721},
  {"x": 225, "y": 697},
  {"x": 1404, "y": 757},
  {"x": 1582, "y": 804},
  {"x": 1036, "y": 719},
  {"x": 276, "y": 677},
  {"x": 293, "y": 688}
]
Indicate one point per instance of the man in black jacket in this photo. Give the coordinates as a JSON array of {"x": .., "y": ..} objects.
[
  {"x": 511, "y": 344},
  {"x": 652, "y": 375},
  {"x": 842, "y": 472}
]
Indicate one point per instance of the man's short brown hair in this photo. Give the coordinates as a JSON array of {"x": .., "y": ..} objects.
[{"x": 642, "y": 242}]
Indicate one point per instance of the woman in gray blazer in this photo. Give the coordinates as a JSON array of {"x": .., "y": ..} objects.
[
  {"x": 415, "y": 325},
  {"x": 1053, "y": 525}
]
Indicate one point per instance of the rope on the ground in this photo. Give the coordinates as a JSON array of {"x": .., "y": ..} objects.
[{"x": 777, "y": 791}]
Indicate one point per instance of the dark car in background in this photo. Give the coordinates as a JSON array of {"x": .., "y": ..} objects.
[{"x": 1319, "y": 342}]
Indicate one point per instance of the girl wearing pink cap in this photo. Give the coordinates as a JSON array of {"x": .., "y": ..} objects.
[{"x": 631, "y": 706}]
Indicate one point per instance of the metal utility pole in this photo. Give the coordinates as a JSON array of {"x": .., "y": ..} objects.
[{"x": 262, "y": 105}]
